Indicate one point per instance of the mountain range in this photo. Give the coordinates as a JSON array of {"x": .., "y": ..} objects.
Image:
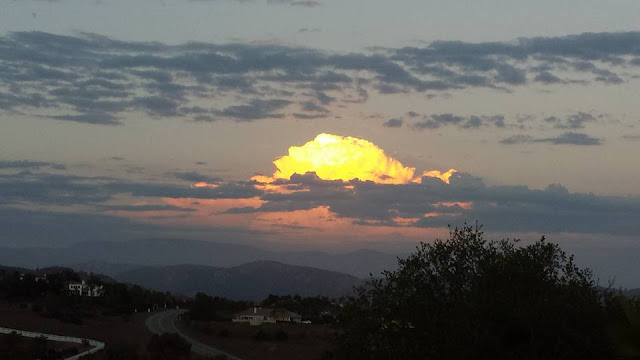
[
  {"x": 251, "y": 281},
  {"x": 113, "y": 258}
]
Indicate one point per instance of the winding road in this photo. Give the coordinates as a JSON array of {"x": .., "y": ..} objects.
[{"x": 163, "y": 322}]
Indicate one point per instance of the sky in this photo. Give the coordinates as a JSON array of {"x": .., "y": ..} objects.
[{"x": 323, "y": 125}]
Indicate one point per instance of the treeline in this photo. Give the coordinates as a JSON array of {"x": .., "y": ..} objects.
[{"x": 50, "y": 296}]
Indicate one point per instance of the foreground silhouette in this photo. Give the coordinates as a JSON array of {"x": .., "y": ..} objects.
[{"x": 468, "y": 297}]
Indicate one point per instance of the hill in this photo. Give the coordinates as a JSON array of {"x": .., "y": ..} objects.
[
  {"x": 117, "y": 257},
  {"x": 252, "y": 281}
]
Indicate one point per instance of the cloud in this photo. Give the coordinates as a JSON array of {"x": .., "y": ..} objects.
[
  {"x": 64, "y": 189},
  {"x": 306, "y": 3},
  {"x": 144, "y": 208},
  {"x": 567, "y": 138},
  {"x": 518, "y": 139},
  {"x": 50, "y": 189},
  {"x": 573, "y": 121},
  {"x": 94, "y": 79},
  {"x": 92, "y": 203},
  {"x": 334, "y": 157},
  {"x": 255, "y": 110},
  {"x": 53, "y": 229},
  {"x": 436, "y": 121},
  {"x": 302, "y": 3},
  {"x": 571, "y": 138},
  {"x": 194, "y": 177},
  {"x": 466, "y": 198},
  {"x": 156, "y": 105},
  {"x": 100, "y": 118},
  {"x": 393, "y": 123},
  {"x": 548, "y": 78},
  {"x": 29, "y": 164},
  {"x": 631, "y": 137}
]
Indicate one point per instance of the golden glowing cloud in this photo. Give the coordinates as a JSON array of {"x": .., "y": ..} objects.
[{"x": 334, "y": 157}]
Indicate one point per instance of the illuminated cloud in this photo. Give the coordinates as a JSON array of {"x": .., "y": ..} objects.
[
  {"x": 444, "y": 176},
  {"x": 334, "y": 157}
]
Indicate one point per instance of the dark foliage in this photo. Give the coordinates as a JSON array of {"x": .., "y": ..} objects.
[
  {"x": 208, "y": 308},
  {"x": 624, "y": 324},
  {"x": 467, "y": 297},
  {"x": 50, "y": 297}
]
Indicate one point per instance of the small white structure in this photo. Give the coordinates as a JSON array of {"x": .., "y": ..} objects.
[
  {"x": 84, "y": 289},
  {"x": 258, "y": 316}
]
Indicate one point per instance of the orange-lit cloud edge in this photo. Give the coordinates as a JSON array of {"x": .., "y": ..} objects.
[{"x": 330, "y": 157}]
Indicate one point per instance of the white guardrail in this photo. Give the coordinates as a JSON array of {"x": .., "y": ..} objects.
[{"x": 96, "y": 345}]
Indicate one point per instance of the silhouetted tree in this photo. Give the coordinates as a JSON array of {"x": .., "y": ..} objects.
[
  {"x": 624, "y": 324},
  {"x": 467, "y": 297}
]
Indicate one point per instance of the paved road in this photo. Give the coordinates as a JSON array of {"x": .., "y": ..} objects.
[{"x": 162, "y": 322}]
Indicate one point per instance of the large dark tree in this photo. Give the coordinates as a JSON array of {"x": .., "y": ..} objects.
[{"x": 469, "y": 298}]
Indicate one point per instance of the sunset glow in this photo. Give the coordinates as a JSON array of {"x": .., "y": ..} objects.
[{"x": 335, "y": 157}]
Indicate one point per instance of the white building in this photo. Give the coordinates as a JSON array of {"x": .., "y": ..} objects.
[{"x": 84, "y": 289}]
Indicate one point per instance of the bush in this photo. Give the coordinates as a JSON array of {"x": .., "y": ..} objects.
[{"x": 224, "y": 333}]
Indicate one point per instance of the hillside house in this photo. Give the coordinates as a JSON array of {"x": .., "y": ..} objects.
[
  {"x": 258, "y": 316},
  {"x": 84, "y": 289}
]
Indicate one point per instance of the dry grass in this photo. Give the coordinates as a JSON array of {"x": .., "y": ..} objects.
[
  {"x": 304, "y": 341},
  {"x": 113, "y": 331},
  {"x": 56, "y": 345}
]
